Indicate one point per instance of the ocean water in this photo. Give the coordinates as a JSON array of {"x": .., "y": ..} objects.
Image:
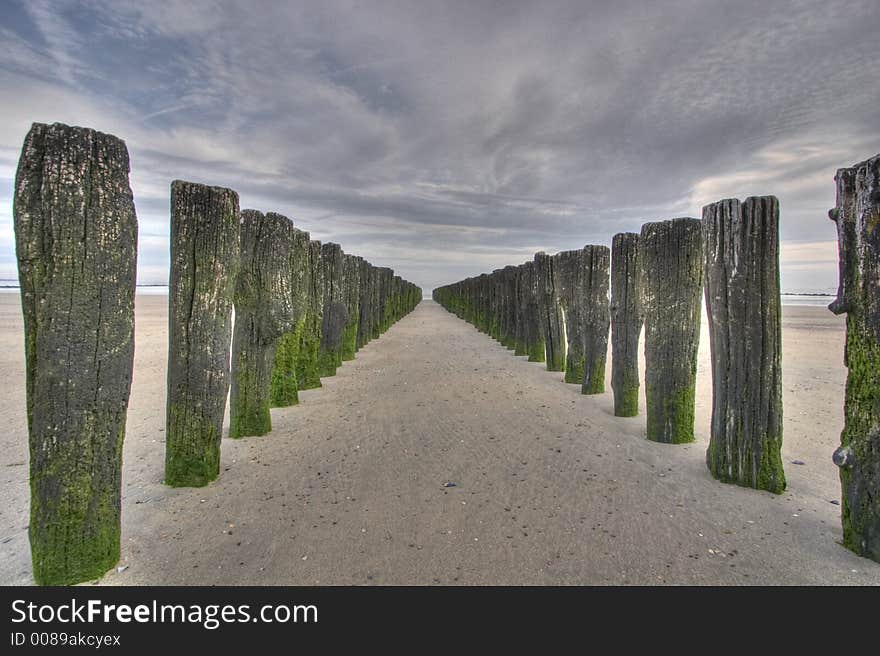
[
  {"x": 818, "y": 299},
  {"x": 11, "y": 287}
]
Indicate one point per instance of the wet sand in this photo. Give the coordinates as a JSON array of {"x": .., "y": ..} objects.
[{"x": 550, "y": 487}]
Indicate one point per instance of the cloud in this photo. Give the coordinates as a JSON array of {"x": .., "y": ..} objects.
[{"x": 449, "y": 138}]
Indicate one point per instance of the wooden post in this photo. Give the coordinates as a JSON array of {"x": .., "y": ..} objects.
[
  {"x": 533, "y": 339},
  {"x": 857, "y": 216},
  {"x": 568, "y": 266},
  {"x": 307, "y": 374},
  {"x": 284, "y": 386},
  {"x": 351, "y": 286},
  {"x": 263, "y": 313},
  {"x": 672, "y": 274},
  {"x": 204, "y": 266},
  {"x": 365, "y": 322},
  {"x": 76, "y": 245},
  {"x": 742, "y": 301},
  {"x": 335, "y": 311},
  {"x": 508, "y": 335},
  {"x": 596, "y": 261},
  {"x": 548, "y": 312},
  {"x": 626, "y": 322}
]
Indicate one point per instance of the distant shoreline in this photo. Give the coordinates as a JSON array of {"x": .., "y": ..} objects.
[{"x": 820, "y": 294}]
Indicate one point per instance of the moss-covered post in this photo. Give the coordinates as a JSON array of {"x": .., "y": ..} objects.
[
  {"x": 263, "y": 313},
  {"x": 532, "y": 312},
  {"x": 204, "y": 266},
  {"x": 549, "y": 314},
  {"x": 741, "y": 243},
  {"x": 671, "y": 256},
  {"x": 626, "y": 322},
  {"x": 365, "y": 319},
  {"x": 376, "y": 303},
  {"x": 307, "y": 372},
  {"x": 485, "y": 285},
  {"x": 519, "y": 322},
  {"x": 530, "y": 338},
  {"x": 508, "y": 326},
  {"x": 335, "y": 311},
  {"x": 351, "y": 286},
  {"x": 477, "y": 296},
  {"x": 383, "y": 303},
  {"x": 500, "y": 305},
  {"x": 397, "y": 296},
  {"x": 568, "y": 267},
  {"x": 284, "y": 387},
  {"x": 857, "y": 216},
  {"x": 76, "y": 245},
  {"x": 597, "y": 316},
  {"x": 495, "y": 304}
]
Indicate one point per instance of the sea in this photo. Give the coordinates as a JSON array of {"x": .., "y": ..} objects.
[
  {"x": 11, "y": 287},
  {"x": 819, "y": 299}
]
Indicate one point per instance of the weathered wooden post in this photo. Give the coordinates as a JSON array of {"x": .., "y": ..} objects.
[
  {"x": 365, "y": 328},
  {"x": 741, "y": 244},
  {"x": 596, "y": 317},
  {"x": 76, "y": 245},
  {"x": 377, "y": 302},
  {"x": 509, "y": 320},
  {"x": 335, "y": 311},
  {"x": 496, "y": 286},
  {"x": 626, "y": 322},
  {"x": 284, "y": 386},
  {"x": 263, "y": 313},
  {"x": 351, "y": 285},
  {"x": 671, "y": 255},
  {"x": 549, "y": 315},
  {"x": 307, "y": 374},
  {"x": 383, "y": 309},
  {"x": 531, "y": 339},
  {"x": 204, "y": 266},
  {"x": 569, "y": 275},
  {"x": 478, "y": 298},
  {"x": 857, "y": 216},
  {"x": 365, "y": 318}
]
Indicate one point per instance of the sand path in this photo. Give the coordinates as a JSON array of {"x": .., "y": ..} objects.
[{"x": 550, "y": 487}]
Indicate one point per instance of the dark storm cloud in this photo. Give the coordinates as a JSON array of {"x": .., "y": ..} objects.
[{"x": 446, "y": 139}]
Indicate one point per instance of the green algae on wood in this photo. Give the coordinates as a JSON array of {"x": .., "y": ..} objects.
[
  {"x": 351, "y": 298},
  {"x": 263, "y": 313},
  {"x": 76, "y": 247},
  {"x": 335, "y": 310},
  {"x": 857, "y": 215},
  {"x": 204, "y": 266},
  {"x": 549, "y": 314},
  {"x": 582, "y": 277},
  {"x": 307, "y": 371},
  {"x": 367, "y": 276},
  {"x": 532, "y": 337},
  {"x": 284, "y": 385},
  {"x": 626, "y": 322},
  {"x": 596, "y": 316},
  {"x": 743, "y": 306},
  {"x": 382, "y": 308},
  {"x": 568, "y": 266},
  {"x": 671, "y": 257}
]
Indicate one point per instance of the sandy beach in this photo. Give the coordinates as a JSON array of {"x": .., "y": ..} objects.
[{"x": 550, "y": 487}]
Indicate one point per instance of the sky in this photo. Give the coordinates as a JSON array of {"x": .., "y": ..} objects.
[{"x": 447, "y": 139}]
